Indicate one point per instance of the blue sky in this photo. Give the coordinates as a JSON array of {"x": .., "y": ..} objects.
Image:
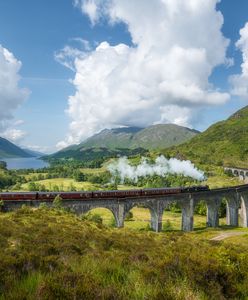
[{"x": 36, "y": 31}]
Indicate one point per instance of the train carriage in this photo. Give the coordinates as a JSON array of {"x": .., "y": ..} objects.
[
  {"x": 18, "y": 196},
  {"x": 76, "y": 195},
  {"x": 160, "y": 191},
  {"x": 84, "y": 195}
]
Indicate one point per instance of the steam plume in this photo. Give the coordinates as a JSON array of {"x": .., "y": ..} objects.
[{"x": 161, "y": 167}]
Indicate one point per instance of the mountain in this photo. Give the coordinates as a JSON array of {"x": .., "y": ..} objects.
[
  {"x": 126, "y": 141},
  {"x": 9, "y": 150},
  {"x": 224, "y": 143},
  {"x": 152, "y": 137}
]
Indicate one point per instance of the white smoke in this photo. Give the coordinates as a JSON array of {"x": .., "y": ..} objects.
[{"x": 161, "y": 167}]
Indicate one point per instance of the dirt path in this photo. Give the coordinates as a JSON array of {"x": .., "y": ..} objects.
[{"x": 225, "y": 235}]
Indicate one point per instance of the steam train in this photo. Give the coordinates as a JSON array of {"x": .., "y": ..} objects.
[{"x": 86, "y": 195}]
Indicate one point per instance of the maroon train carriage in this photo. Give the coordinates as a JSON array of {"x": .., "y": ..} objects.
[
  {"x": 84, "y": 195},
  {"x": 116, "y": 193},
  {"x": 18, "y": 196},
  {"x": 49, "y": 196},
  {"x": 75, "y": 195},
  {"x": 160, "y": 191}
]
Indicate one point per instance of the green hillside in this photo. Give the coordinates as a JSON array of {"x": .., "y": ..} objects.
[
  {"x": 9, "y": 150},
  {"x": 95, "y": 155},
  {"x": 224, "y": 143}
]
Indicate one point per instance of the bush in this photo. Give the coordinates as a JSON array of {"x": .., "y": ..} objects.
[
  {"x": 57, "y": 202},
  {"x": 167, "y": 226},
  {"x": 96, "y": 218},
  {"x": 1, "y": 205},
  {"x": 129, "y": 216}
]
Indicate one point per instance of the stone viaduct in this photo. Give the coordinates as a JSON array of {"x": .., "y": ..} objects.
[
  {"x": 236, "y": 199},
  {"x": 239, "y": 172}
]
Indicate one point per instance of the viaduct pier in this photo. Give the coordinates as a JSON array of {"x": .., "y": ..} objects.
[{"x": 236, "y": 200}]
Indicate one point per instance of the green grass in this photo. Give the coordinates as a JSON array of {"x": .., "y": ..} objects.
[
  {"x": 51, "y": 254},
  {"x": 63, "y": 184},
  {"x": 219, "y": 180}
]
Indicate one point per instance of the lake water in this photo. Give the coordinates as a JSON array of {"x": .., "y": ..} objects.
[{"x": 25, "y": 163}]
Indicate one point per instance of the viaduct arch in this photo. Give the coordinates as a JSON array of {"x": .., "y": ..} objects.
[{"x": 236, "y": 197}]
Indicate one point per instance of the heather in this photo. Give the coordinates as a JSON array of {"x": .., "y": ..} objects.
[{"x": 53, "y": 254}]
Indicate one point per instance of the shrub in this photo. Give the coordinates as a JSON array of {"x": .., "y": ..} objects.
[
  {"x": 96, "y": 218},
  {"x": 129, "y": 216},
  {"x": 1, "y": 205},
  {"x": 57, "y": 202},
  {"x": 167, "y": 226}
]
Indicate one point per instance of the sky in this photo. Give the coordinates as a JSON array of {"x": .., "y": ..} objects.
[{"x": 71, "y": 68}]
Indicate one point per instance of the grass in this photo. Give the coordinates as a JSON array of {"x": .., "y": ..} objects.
[
  {"x": 219, "y": 179},
  {"x": 51, "y": 254},
  {"x": 65, "y": 184}
]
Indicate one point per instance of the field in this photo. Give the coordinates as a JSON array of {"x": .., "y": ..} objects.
[
  {"x": 51, "y": 254},
  {"x": 63, "y": 184}
]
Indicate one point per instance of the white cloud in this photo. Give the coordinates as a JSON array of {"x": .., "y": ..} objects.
[
  {"x": 14, "y": 135},
  {"x": 93, "y": 8},
  {"x": 67, "y": 56},
  {"x": 11, "y": 95},
  {"x": 162, "y": 77},
  {"x": 240, "y": 81}
]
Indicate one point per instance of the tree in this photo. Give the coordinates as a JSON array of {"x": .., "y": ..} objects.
[{"x": 3, "y": 165}]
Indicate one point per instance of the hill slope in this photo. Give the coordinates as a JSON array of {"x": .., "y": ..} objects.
[
  {"x": 9, "y": 150},
  {"x": 76, "y": 259},
  {"x": 224, "y": 143},
  {"x": 125, "y": 141}
]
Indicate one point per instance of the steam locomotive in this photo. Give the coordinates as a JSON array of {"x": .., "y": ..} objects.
[{"x": 86, "y": 195}]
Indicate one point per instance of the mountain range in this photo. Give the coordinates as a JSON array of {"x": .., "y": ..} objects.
[
  {"x": 223, "y": 143},
  {"x": 129, "y": 138}
]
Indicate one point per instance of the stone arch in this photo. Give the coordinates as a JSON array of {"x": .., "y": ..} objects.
[
  {"x": 200, "y": 213},
  {"x": 242, "y": 175},
  {"x": 154, "y": 218},
  {"x": 236, "y": 172},
  {"x": 104, "y": 207}
]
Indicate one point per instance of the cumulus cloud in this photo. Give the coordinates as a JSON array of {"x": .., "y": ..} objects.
[
  {"x": 240, "y": 81},
  {"x": 11, "y": 95},
  {"x": 14, "y": 135},
  {"x": 161, "y": 77},
  {"x": 161, "y": 167}
]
